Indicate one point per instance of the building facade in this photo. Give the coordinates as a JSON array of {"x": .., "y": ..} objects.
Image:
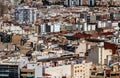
[
  {"x": 9, "y": 71},
  {"x": 82, "y": 70},
  {"x": 74, "y": 2},
  {"x": 98, "y": 55},
  {"x": 25, "y": 14},
  {"x": 73, "y": 71},
  {"x": 91, "y": 2}
]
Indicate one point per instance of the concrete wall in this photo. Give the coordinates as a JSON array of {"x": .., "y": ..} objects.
[
  {"x": 59, "y": 71},
  {"x": 81, "y": 48}
]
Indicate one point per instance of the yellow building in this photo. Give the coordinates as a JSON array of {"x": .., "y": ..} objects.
[{"x": 82, "y": 70}]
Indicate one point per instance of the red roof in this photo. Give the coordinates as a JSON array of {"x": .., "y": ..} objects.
[
  {"x": 81, "y": 35},
  {"x": 108, "y": 71},
  {"x": 44, "y": 74},
  {"x": 112, "y": 46},
  {"x": 84, "y": 35}
]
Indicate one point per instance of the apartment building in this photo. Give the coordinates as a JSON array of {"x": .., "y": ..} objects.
[
  {"x": 91, "y": 2},
  {"x": 82, "y": 70},
  {"x": 74, "y": 2},
  {"x": 73, "y": 71},
  {"x": 9, "y": 71},
  {"x": 98, "y": 55},
  {"x": 25, "y": 14}
]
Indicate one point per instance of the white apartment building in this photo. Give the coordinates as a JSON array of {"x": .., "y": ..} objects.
[
  {"x": 70, "y": 71},
  {"x": 98, "y": 55},
  {"x": 25, "y": 14}
]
